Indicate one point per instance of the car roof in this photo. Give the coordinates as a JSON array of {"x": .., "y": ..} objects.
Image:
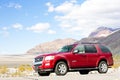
[{"x": 87, "y": 43}]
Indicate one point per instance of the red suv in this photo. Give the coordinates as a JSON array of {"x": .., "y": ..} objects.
[{"x": 82, "y": 57}]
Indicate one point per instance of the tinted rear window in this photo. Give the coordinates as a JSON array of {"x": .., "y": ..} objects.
[
  {"x": 90, "y": 49},
  {"x": 104, "y": 49}
]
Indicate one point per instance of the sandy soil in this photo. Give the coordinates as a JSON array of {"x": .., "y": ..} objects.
[
  {"x": 114, "y": 75},
  {"x": 13, "y": 61}
]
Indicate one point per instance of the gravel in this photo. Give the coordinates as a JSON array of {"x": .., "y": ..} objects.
[{"x": 111, "y": 75}]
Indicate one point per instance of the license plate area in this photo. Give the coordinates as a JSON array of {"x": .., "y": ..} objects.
[{"x": 36, "y": 68}]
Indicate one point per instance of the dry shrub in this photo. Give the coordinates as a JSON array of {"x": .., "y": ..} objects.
[{"x": 3, "y": 69}]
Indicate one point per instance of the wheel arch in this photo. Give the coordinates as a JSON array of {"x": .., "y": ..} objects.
[
  {"x": 60, "y": 61},
  {"x": 102, "y": 59}
]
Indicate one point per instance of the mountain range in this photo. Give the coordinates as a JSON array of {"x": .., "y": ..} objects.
[
  {"x": 113, "y": 42},
  {"x": 52, "y": 46},
  {"x": 107, "y": 36},
  {"x": 103, "y": 32}
]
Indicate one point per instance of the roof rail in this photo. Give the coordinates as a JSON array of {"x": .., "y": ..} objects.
[{"x": 90, "y": 43}]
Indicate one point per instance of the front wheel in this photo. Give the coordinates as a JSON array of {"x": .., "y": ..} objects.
[
  {"x": 102, "y": 67},
  {"x": 61, "y": 68}
]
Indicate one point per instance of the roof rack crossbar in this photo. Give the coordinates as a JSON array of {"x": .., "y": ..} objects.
[{"x": 90, "y": 43}]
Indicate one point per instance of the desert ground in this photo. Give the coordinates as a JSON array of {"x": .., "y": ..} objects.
[
  {"x": 112, "y": 75},
  {"x": 13, "y": 61}
]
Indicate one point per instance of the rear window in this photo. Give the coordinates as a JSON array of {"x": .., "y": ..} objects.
[
  {"x": 104, "y": 49},
  {"x": 90, "y": 49}
]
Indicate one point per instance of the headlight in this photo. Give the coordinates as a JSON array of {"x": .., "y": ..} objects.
[{"x": 49, "y": 57}]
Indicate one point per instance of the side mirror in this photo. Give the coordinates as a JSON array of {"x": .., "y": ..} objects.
[{"x": 76, "y": 51}]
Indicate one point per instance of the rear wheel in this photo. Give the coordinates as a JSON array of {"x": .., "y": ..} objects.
[
  {"x": 43, "y": 73},
  {"x": 102, "y": 67},
  {"x": 61, "y": 68},
  {"x": 84, "y": 71}
]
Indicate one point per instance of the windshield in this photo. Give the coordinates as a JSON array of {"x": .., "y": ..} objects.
[{"x": 67, "y": 48}]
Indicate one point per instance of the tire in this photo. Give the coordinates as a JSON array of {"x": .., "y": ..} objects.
[
  {"x": 84, "y": 72},
  {"x": 43, "y": 73},
  {"x": 103, "y": 67},
  {"x": 61, "y": 68}
]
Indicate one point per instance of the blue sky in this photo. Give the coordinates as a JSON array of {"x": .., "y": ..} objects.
[{"x": 27, "y": 23}]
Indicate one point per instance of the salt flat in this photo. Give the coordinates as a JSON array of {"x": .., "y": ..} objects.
[
  {"x": 15, "y": 60},
  {"x": 114, "y": 75},
  {"x": 12, "y": 61}
]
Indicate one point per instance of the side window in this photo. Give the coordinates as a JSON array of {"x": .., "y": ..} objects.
[
  {"x": 104, "y": 49},
  {"x": 80, "y": 49},
  {"x": 90, "y": 49}
]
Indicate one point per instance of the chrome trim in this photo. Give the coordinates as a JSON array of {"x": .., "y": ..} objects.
[{"x": 36, "y": 63}]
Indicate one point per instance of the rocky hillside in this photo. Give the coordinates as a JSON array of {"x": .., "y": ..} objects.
[
  {"x": 102, "y": 32},
  {"x": 90, "y": 39},
  {"x": 113, "y": 42},
  {"x": 50, "y": 46}
]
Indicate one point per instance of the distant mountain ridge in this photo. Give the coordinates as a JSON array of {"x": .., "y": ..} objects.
[
  {"x": 103, "y": 32},
  {"x": 112, "y": 41},
  {"x": 52, "y": 46}
]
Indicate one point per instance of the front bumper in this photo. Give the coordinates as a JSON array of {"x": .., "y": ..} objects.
[
  {"x": 45, "y": 70},
  {"x": 44, "y": 66},
  {"x": 37, "y": 69}
]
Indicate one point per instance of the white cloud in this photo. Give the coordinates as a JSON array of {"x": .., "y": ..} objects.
[
  {"x": 65, "y": 7},
  {"x": 50, "y": 7},
  {"x": 87, "y": 16},
  {"x": 5, "y": 28},
  {"x": 51, "y": 32},
  {"x": 39, "y": 27},
  {"x": 17, "y": 26},
  {"x": 73, "y": 1},
  {"x": 14, "y": 5},
  {"x": 4, "y": 32}
]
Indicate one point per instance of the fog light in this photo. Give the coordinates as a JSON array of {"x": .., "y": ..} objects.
[{"x": 47, "y": 64}]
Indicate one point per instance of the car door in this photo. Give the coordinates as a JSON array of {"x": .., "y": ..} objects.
[
  {"x": 92, "y": 55},
  {"x": 79, "y": 58}
]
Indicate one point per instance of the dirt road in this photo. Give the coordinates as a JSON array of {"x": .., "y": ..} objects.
[{"x": 113, "y": 75}]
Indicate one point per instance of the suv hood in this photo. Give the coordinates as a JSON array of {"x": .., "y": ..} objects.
[{"x": 48, "y": 54}]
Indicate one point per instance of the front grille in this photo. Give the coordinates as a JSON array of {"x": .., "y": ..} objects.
[
  {"x": 36, "y": 65},
  {"x": 38, "y": 59}
]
